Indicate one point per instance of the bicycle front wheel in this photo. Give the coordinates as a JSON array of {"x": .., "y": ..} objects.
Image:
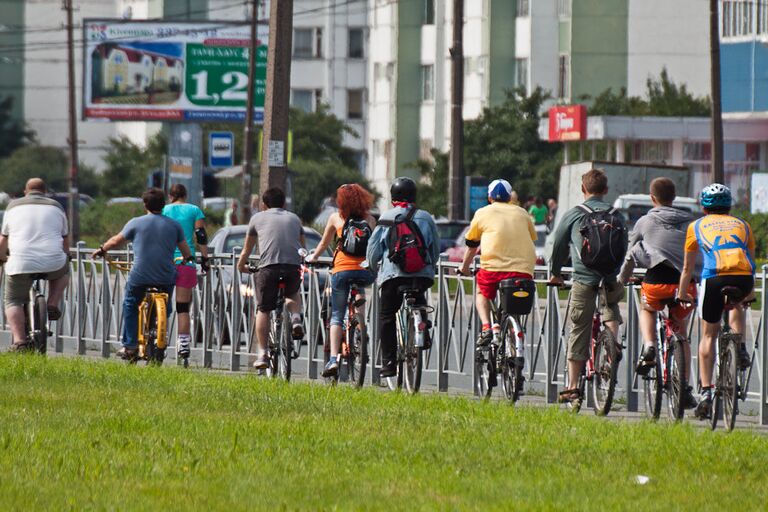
[
  {"x": 677, "y": 378},
  {"x": 606, "y": 370},
  {"x": 730, "y": 389},
  {"x": 653, "y": 389},
  {"x": 412, "y": 358},
  {"x": 511, "y": 374},
  {"x": 40, "y": 324}
]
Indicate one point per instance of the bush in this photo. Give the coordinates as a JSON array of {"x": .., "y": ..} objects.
[
  {"x": 99, "y": 222},
  {"x": 759, "y": 223}
]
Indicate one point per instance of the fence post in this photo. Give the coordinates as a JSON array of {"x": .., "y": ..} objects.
[
  {"x": 313, "y": 320},
  {"x": 106, "y": 304},
  {"x": 441, "y": 324},
  {"x": 237, "y": 314},
  {"x": 632, "y": 342},
  {"x": 207, "y": 308},
  {"x": 373, "y": 323},
  {"x": 80, "y": 299},
  {"x": 552, "y": 340},
  {"x": 763, "y": 352}
]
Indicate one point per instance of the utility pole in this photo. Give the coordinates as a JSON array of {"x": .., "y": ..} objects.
[
  {"x": 73, "y": 217},
  {"x": 717, "y": 112},
  {"x": 456, "y": 166},
  {"x": 273, "y": 165},
  {"x": 245, "y": 183}
]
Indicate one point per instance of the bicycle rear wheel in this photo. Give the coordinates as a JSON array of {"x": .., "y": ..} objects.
[
  {"x": 677, "y": 378},
  {"x": 485, "y": 371},
  {"x": 511, "y": 374},
  {"x": 273, "y": 345},
  {"x": 606, "y": 370},
  {"x": 357, "y": 359},
  {"x": 412, "y": 364},
  {"x": 285, "y": 351},
  {"x": 729, "y": 390},
  {"x": 653, "y": 389},
  {"x": 40, "y": 324},
  {"x": 161, "y": 329}
]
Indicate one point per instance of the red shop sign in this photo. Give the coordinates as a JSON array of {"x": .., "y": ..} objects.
[{"x": 567, "y": 122}]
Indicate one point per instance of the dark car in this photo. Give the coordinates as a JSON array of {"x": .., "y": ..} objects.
[
  {"x": 63, "y": 199},
  {"x": 448, "y": 230}
]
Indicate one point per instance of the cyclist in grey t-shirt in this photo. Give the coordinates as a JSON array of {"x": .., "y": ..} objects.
[{"x": 280, "y": 236}]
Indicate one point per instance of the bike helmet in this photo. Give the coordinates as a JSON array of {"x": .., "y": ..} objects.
[
  {"x": 403, "y": 189},
  {"x": 716, "y": 196},
  {"x": 500, "y": 190}
]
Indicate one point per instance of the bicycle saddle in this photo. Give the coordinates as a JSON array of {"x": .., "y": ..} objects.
[
  {"x": 732, "y": 294},
  {"x": 38, "y": 276}
]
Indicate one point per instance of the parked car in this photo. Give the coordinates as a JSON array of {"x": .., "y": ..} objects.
[
  {"x": 448, "y": 230},
  {"x": 124, "y": 200},
  {"x": 63, "y": 199},
  {"x": 226, "y": 239},
  {"x": 634, "y": 206},
  {"x": 217, "y": 204},
  {"x": 456, "y": 253}
]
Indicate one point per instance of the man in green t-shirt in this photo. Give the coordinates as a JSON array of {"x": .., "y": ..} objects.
[{"x": 538, "y": 211}]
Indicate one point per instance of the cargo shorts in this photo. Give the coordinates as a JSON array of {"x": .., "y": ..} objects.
[
  {"x": 17, "y": 286},
  {"x": 583, "y": 302}
]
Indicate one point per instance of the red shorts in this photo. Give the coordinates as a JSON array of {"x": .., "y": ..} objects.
[
  {"x": 657, "y": 296},
  {"x": 186, "y": 276},
  {"x": 488, "y": 281}
]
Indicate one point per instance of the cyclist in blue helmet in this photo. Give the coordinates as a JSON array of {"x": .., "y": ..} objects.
[{"x": 727, "y": 245}]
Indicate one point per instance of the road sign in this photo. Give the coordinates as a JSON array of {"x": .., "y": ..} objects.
[{"x": 221, "y": 149}]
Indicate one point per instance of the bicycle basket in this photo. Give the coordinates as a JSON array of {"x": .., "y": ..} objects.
[{"x": 517, "y": 296}]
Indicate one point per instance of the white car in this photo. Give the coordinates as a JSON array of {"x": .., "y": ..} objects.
[{"x": 634, "y": 206}]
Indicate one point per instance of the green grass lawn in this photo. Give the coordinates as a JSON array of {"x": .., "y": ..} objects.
[{"x": 78, "y": 434}]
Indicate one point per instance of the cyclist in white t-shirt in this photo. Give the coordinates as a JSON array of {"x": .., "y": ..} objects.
[{"x": 33, "y": 240}]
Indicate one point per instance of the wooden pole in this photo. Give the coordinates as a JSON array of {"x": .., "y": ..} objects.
[
  {"x": 247, "y": 176},
  {"x": 73, "y": 217},
  {"x": 456, "y": 165},
  {"x": 718, "y": 175}
]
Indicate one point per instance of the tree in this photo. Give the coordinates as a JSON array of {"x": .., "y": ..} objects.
[
  {"x": 13, "y": 134},
  {"x": 663, "y": 98},
  {"x": 319, "y": 136},
  {"x": 313, "y": 181},
  {"x": 46, "y": 162},
  {"x": 504, "y": 143},
  {"x": 129, "y": 165},
  {"x": 433, "y": 186}
]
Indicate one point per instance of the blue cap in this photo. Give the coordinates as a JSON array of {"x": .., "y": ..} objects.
[{"x": 500, "y": 190}]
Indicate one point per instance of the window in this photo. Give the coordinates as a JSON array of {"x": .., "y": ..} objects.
[
  {"x": 736, "y": 17},
  {"x": 354, "y": 104},
  {"x": 428, "y": 83},
  {"x": 523, "y": 8},
  {"x": 356, "y": 44},
  {"x": 308, "y": 43},
  {"x": 306, "y": 99},
  {"x": 652, "y": 151},
  {"x": 564, "y": 77},
  {"x": 564, "y": 8},
  {"x": 429, "y": 12},
  {"x": 521, "y": 73}
]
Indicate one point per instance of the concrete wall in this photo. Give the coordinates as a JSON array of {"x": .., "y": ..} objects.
[
  {"x": 744, "y": 71},
  {"x": 501, "y": 69},
  {"x": 408, "y": 87},
  {"x": 12, "y": 55}
]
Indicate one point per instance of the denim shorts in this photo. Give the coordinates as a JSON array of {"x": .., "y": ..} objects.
[{"x": 340, "y": 283}]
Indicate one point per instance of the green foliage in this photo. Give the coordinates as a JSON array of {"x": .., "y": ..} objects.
[
  {"x": 319, "y": 136},
  {"x": 13, "y": 134},
  {"x": 98, "y": 222},
  {"x": 504, "y": 143},
  {"x": 129, "y": 165},
  {"x": 46, "y": 162},
  {"x": 663, "y": 98},
  {"x": 433, "y": 186},
  {"x": 313, "y": 181},
  {"x": 79, "y": 434}
]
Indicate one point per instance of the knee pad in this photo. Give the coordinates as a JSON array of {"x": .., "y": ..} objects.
[{"x": 182, "y": 307}]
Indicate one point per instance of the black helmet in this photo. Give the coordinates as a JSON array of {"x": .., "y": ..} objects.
[{"x": 403, "y": 189}]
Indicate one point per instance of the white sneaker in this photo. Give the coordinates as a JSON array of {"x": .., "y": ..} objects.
[
  {"x": 262, "y": 363},
  {"x": 182, "y": 349}
]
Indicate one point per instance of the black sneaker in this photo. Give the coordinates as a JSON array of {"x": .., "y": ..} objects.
[
  {"x": 647, "y": 360},
  {"x": 704, "y": 409},
  {"x": 745, "y": 360},
  {"x": 129, "y": 354},
  {"x": 485, "y": 338},
  {"x": 689, "y": 401},
  {"x": 388, "y": 370},
  {"x": 520, "y": 362}
]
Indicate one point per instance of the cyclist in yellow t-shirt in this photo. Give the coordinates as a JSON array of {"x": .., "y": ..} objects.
[
  {"x": 506, "y": 234},
  {"x": 728, "y": 248}
]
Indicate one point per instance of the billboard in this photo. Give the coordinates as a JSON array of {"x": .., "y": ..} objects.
[
  {"x": 567, "y": 123},
  {"x": 170, "y": 71}
]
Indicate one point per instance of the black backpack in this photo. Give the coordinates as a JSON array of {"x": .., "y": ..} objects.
[
  {"x": 354, "y": 237},
  {"x": 406, "y": 243},
  {"x": 604, "y": 241}
]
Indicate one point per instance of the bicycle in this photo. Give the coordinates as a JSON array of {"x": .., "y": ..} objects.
[
  {"x": 153, "y": 321},
  {"x": 280, "y": 348},
  {"x": 669, "y": 374},
  {"x": 504, "y": 355},
  {"x": 354, "y": 342},
  {"x": 730, "y": 380},
  {"x": 602, "y": 368},
  {"x": 412, "y": 333}
]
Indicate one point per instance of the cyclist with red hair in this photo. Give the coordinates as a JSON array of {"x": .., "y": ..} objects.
[{"x": 351, "y": 226}]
